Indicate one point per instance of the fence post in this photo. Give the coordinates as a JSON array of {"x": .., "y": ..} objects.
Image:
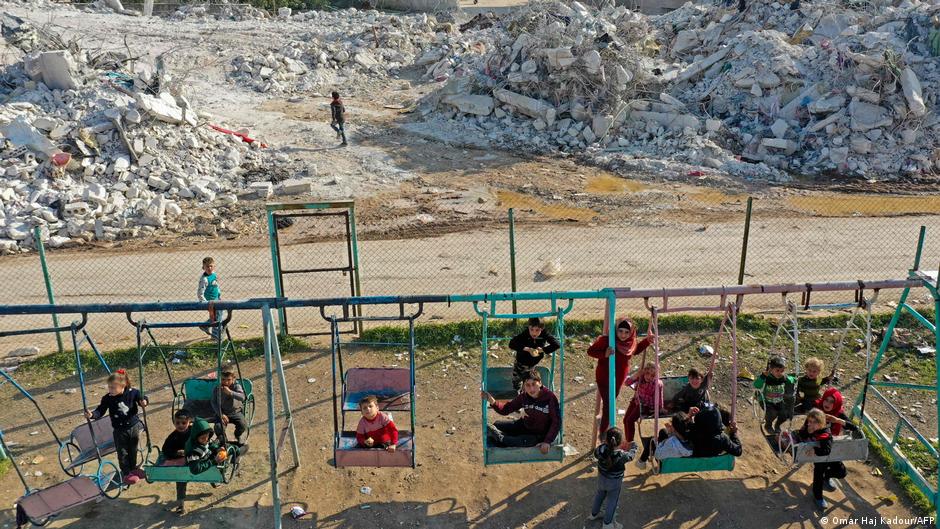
[
  {"x": 512, "y": 254},
  {"x": 37, "y": 237},
  {"x": 747, "y": 234}
]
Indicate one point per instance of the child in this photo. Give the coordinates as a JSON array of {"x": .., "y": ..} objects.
[
  {"x": 815, "y": 430},
  {"x": 808, "y": 385},
  {"x": 627, "y": 346},
  {"x": 540, "y": 422},
  {"x": 611, "y": 464},
  {"x": 776, "y": 391},
  {"x": 694, "y": 394},
  {"x": 227, "y": 404},
  {"x": 121, "y": 405},
  {"x": 673, "y": 438},
  {"x": 831, "y": 405},
  {"x": 338, "y": 117},
  {"x": 376, "y": 429},
  {"x": 648, "y": 390},
  {"x": 208, "y": 291},
  {"x": 531, "y": 345},
  {"x": 708, "y": 436},
  {"x": 175, "y": 448},
  {"x": 201, "y": 455}
]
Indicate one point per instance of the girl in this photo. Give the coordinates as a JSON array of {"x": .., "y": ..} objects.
[
  {"x": 611, "y": 463},
  {"x": 626, "y": 347},
  {"x": 831, "y": 404},
  {"x": 121, "y": 404},
  {"x": 648, "y": 390},
  {"x": 815, "y": 429}
]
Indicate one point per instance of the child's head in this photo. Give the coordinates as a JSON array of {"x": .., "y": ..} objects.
[
  {"x": 815, "y": 420},
  {"x": 535, "y": 327},
  {"x": 369, "y": 406},
  {"x": 182, "y": 420},
  {"x": 813, "y": 367},
  {"x": 680, "y": 423},
  {"x": 624, "y": 328},
  {"x": 118, "y": 382},
  {"x": 335, "y": 95},
  {"x": 832, "y": 401},
  {"x": 613, "y": 438},
  {"x": 204, "y": 437},
  {"x": 532, "y": 383},
  {"x": 649, "y": 372},
  {"x": 777, "y": 365},
  {"x": 695, "y": 378},
  {"x": 228, "y": 378},
  {"x": 208, "y": 265}
]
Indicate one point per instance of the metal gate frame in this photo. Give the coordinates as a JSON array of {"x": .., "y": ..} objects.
[{"x": 347, "y": 210}]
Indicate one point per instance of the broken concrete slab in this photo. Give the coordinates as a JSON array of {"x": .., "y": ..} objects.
[
  {"x": 164, "y": 108},
  {"x": 866, "y": 116},
  {"x": 479, "y": 105},
  {"x": 295, "y": 186},
  {"x": 912, "y": 92},
  {"x": 534, "y": 108},
  {"x": 56, "y": 69},
  {"x": 672, "y": 121}
]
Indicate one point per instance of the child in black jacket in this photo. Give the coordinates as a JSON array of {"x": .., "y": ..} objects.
[
  {"x": 175, "y": 448},
  {"x": 531, "y": 345},
  {"x": 121, "y": 404},
  {"x": 815, "y": 429}
]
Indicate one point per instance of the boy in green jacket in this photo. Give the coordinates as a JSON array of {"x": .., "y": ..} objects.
[{"x": 776, "y": 390}]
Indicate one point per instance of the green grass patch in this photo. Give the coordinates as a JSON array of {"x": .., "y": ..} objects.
[
  {"x": 921, "y": 503},
  {"x": 920, "y": 456},
  {"x": 5, "y": 465},
  {"x": 57, "y": 366}
]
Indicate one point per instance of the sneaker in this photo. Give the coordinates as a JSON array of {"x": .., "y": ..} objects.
[
  {"x": 139, "y": 472},
  {"x": 597, "y": 516},
  {"x": 640, "y": 464},
  {"x": 344, "y": 144},
  {"x": 131, "y": 479},
  {"x": 830, "y": 485},
  {"x": 613, "y": 525},
  {"x": 494, "y": 434},
  {"x": 821, "y": 504},
  {"x": 180, "y": 510}
]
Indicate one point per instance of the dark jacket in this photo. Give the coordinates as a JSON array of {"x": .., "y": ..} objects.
[
  {"x": 200, "y": 457},
  {"x": 689, "y": 397},
  {"x": 122, "y": 408},
  {"x": 546, "y": 341},
  {"x": 175, "y": 444},
  {"x": 707, "y": 435},
  {"x": 337, "y": 111},
  {"x": 823, "y": 436},
  {"x": 612, "y": 464},
  {"x": 541, "y": 413},
  {"x": 808, "y": 388}
]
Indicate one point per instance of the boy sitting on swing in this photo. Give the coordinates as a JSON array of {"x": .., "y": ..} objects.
[{"x": 541, "y": 420}]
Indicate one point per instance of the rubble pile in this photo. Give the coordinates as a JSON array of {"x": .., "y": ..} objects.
[
  {"x": 367, "y": 44},
  {"x": 90, "y": 154},
  {"x": 767, "y": 93},
  {"x": 219, "y": 11}
]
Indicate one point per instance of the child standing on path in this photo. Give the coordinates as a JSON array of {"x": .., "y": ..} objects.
[
  {"x": 611, "y": 464},
  {"x": 530, "y": 346},
  {"x": 208, "y": 291},
  {"x": 338, "y": 117},
  {"x": 121, "y": 404}
]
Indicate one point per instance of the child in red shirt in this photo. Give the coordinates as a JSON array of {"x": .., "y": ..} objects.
[
  {"x": 376, "y": 429},
  {"x": 649, "y": 389}
]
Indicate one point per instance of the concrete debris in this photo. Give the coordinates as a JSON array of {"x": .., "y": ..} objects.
[
  {"x": 83, "y": 161},
  {"x": 766, "y": 94}
]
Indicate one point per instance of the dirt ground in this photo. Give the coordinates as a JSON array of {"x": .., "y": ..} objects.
[{"x": 450, "y": 487}]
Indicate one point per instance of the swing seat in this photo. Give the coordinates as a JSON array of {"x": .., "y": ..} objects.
[
  {"x": 499, "y": 382},
  {"x": 677, "y": 465},
  {"x": 852, "y": 447},
  {"x": 82, "y": 439},
  {"x": 494, "y": 455},
  {"x": 42, "y": 505},
  {"x": 391, "y": 386},
  {"x": 176, "y": 470},
  {"x": 349, "y": 454},
  {"x": 196, "y": 398},
  {"x": 671, "y": 387}
]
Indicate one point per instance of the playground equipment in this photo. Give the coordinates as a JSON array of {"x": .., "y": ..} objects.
[
  {"x": 850, "y": 447},
  {"x": 194, "y": 395},
  {"x": 393, "y": 387},
  {"x": 280, "y": 217},
  {"x": 929, "y": 281},
  {"x": 498, "y": 382}
]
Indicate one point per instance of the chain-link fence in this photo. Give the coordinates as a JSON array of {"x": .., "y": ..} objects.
[{"x": 801, "y": 239}]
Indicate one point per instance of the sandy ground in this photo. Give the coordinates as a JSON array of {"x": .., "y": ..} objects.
[{"x": 450, "y": 487}]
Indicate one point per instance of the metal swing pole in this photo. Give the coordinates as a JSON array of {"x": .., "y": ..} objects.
[
  {"x": 269, "y": 387},
  {"x": 561, "y": 367},
  {"x": 611, "y": 361},
  {"x": 485, "y": 405},
  {"x": 285, "y": 398},
  {"x": 334, "y": 349},
  {"x": 413, "y": 395}
]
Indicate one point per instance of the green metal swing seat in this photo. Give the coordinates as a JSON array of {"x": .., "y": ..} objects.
[
  {"x": 499, "y": 381},
  {"x": 196, "y": 397},
  {"x": 176, "y": 470},
  {"x": 684, "y": 465}
]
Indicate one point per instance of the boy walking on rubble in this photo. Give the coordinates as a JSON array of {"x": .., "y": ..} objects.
[{"x": 338, "y": 117}]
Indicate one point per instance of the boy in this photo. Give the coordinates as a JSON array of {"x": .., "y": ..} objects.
[
  {"x": 338, "y": 117},
  {"x": 208, "y": 291},
  {"x": 808, "y": 385},
  {"x": 776, "y": 390},
  {"x": 200, "y": 454},
  {"x": 376, "y": 428},
  {"x": 694, "y": 394},
  {"x": 540, "y": 422},
  {"x": 531, "y": 345},
  {"x": 175, "y": 448},
  {"x": 227, "y": 404},
  {"x": 815, "y": 430},
  {"x": 708, "y": 437}
]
